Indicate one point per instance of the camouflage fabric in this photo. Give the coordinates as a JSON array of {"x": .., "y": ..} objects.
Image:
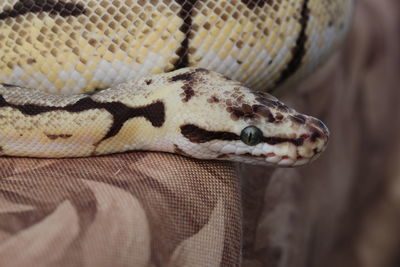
[{"x": 138, "y": 209}]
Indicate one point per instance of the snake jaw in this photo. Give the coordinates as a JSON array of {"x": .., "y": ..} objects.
[
  {"x": 289, "y": 158},
  {"x": 308, "y": 143}
]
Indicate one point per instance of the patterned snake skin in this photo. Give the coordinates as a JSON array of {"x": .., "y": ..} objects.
[{"x": 71, "y": 47}]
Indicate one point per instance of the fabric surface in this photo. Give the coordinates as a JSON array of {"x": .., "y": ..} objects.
[
  {"x": 153, "y": 209},
  {"x": 138, "y": 209}
]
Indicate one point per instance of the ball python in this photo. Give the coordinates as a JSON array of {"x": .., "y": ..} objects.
[{"x": 108, "y": 76}]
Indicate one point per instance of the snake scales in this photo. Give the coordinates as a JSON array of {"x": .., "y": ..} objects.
[{"x": 141, "y": 49}]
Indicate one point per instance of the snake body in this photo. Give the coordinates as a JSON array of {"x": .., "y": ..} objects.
[{"x": 140, "y": 51}]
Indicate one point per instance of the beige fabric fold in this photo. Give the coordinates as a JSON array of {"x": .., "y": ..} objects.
[{"x": 137, "y": 209}]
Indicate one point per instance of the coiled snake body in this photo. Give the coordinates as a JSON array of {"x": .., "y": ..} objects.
[{"x": 140, "y": 49}]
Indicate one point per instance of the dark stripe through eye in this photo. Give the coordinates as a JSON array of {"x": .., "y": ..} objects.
[{"x": 199, "y": 135}]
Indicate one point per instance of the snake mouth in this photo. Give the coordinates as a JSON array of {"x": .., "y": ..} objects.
[
  {"x": 271, "y": 158},
  {"x": 284, "y": 160},
  {"x": 278, "y": 160},
  {"x": 284, "y": 154}
]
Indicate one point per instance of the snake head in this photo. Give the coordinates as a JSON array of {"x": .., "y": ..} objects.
[{"x": 228, "y": 121}]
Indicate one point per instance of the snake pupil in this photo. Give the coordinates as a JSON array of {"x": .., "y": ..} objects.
[{"x": 251, "y": 135}]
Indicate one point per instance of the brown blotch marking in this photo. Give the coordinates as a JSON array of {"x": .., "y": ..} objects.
[
  {"x": 251, "y": 4},
  {"x": 56, "y": 136},
  {"x": 7, "y": 85},
  {"x": 240, "y": 44},
  {"x": 318, "y": 130},
  {"x": 188, "y": 92},
  {"x": 264, "y": 112},
  {"x": 93, "y": 42},
  {"x": 272, "y": 104},
  {"x": 61, "y": 8},
  {"x": 227, "y": 78},
  {"x": 247, "y": 108},
  {"x": 317, "y": 134},
  {"x": 30, "y": 61},
  {"x": 185, "y": 13},
  {"x": 264, "y": 98},
  {"x": 282, "y": 107},
  {"x": 238, "y": 109},
  {"x": 185, "y": 77},
  {"x": 244, "y": 111},
  {"x": 189, "y": 79},
  {"x": 298, "y": 118},
  {"x": 154, "y": 112},
  {"x": 148, "y": 82},
  {"x": 188, "y": 76},
  {"x": 213, "y": 99}
]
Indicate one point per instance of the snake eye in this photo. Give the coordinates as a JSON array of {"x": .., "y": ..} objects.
[{"x": 251, "y": 135}]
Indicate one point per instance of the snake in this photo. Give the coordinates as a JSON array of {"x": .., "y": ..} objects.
[{"x": 83, "y": 78}]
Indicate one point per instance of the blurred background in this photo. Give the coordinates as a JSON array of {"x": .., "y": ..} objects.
[{"x": 344, "y": 209}]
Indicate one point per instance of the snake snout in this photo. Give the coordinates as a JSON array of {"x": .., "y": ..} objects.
[
  {"x": 315, "y": 140},
  {"x": 319, "y": 131},
  {"x": 321, "y": 126}
]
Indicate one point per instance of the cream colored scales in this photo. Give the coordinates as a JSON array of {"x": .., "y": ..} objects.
[{"x": 71, "y": 47}]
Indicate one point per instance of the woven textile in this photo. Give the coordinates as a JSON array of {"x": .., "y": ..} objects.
[{"x": 139, "y": 209}]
